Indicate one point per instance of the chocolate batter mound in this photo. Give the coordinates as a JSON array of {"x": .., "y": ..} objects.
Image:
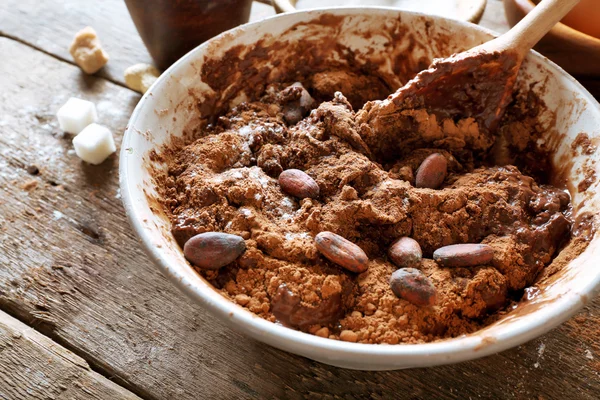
[{"x": 226, "y": 181}]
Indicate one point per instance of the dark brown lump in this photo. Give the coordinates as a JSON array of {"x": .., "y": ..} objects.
[
  {"x": 583, "y": 143},
  {"x": 589, "y": 178}
]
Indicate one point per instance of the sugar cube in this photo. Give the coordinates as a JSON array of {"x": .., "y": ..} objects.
[
  {"x": 94, "y": 144},
  {"x": 76, "y": 114}
]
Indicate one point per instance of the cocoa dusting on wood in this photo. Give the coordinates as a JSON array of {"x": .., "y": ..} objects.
[{"x": 585, "y": 329}]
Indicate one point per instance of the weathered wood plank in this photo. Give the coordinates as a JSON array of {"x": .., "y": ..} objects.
[
  {"x": 70, "y": 266},
  {"x": 34, "y": 367},
  {"x": 50, "y": 25}
]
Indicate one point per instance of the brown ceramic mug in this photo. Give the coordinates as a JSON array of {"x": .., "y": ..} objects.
[{"x": 171, "y": 28}]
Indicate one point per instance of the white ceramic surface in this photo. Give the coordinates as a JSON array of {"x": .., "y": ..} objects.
[
  {"x": 465, "y": 10},
  {"x": 153, "y": 122}
]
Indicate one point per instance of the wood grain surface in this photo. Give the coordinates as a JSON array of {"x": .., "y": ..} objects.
[
  {"x": 50, "y": 25},
  {"x": 71, "y": 268},
  {"x": 34, "y": 367}
]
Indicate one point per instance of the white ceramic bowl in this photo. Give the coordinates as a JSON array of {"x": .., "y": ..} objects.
[{"x": 171, "y": 105}]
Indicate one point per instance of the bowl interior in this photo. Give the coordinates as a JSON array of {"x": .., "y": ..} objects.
[{"x": 232, "y": 67}]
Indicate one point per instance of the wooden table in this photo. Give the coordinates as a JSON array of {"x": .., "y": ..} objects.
[{"x": 85, "y": 314}]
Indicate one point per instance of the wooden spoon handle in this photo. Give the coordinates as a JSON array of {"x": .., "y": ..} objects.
[
  {"x": 283, "y": 6},
  {"x": 523, "y": 36}
]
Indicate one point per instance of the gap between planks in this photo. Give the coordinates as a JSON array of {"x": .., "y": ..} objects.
[
  {"x": 67, "y": 349},
  {"x": 59, "y": 372},
  {"x": 62, "y": 59}
]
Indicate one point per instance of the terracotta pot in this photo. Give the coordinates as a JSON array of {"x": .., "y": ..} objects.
[
  {"x": 171, "y": 28},
  {"x": 575, "y": 51}
]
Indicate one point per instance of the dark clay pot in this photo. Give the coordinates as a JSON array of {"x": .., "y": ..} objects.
[{"x": 171, "y": 28}]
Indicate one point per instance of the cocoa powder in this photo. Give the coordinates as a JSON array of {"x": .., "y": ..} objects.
[{"x": 226, "y": 181}]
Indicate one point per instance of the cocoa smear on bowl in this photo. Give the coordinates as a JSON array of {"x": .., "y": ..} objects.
[
  {"x": 328, "y": 63},
  {"x": 223, "y": 177}
]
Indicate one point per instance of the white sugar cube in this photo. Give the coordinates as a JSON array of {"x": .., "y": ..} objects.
[
  {"x": 76, "y": 114},
  {"x": 94, "y": 144}
]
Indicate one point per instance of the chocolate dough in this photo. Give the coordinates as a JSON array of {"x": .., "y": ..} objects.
[{"x": 226, "y": 181}]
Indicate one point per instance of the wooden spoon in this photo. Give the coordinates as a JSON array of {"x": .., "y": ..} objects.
[
  {"x": 479, "y": 82},
  {"x": 283, "y": 6}
]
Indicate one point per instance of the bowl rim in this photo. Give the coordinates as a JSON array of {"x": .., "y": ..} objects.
[
  {"x": 479, "y": 7},
  {"x": 445, "y": 351}
]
